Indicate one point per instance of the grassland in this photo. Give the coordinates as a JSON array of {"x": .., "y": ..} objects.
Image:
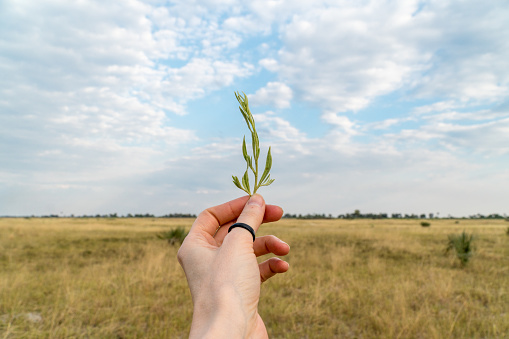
[{"x": 113, "y": 278}]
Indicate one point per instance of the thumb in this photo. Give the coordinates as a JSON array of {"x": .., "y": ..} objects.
[{"x": 252, "y": 215}]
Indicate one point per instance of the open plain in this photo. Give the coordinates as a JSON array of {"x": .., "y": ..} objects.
[{"x": 363, "y": 278}]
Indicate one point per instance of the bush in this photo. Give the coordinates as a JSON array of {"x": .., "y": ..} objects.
[
  {"x": 462, "y": 245},
  {"x": 425, "y": 224},
  {"x": 507, "y": 231},
  {"x": 174, "y": 235}
]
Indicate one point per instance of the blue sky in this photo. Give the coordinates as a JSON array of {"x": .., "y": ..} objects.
[{"x": 128, "y": 106}]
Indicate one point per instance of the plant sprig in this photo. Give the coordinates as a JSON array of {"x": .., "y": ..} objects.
[{"x": 264, "y": 179}]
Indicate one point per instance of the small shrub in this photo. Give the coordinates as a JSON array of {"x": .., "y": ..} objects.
[
  {"x": 462, "y": 245},
  {"x": 174, "y": 235},
  {"x": 507, "y": 231},
  {"x": 425, "y": 224}
]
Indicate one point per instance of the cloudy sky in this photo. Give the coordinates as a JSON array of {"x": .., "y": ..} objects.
[{"x": 128, "y": 106}]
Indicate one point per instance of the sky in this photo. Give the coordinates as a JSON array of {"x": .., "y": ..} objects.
[{"x": 128, "y": 106}]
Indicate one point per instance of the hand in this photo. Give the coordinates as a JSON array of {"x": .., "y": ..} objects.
[{"x": 222, "y": 271}]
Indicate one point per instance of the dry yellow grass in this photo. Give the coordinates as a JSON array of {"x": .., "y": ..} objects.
[{"x": 112, "y": 278}]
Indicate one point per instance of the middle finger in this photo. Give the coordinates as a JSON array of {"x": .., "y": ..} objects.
[{"x": 270, "y": 244}]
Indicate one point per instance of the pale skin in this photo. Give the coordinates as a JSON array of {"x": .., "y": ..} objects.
[{"x": 222, "y": 271}]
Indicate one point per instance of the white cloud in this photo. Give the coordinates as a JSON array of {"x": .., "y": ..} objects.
[
  {"x": 342, "y": 57},
  {"x": 468, "y": 51},
  {"x": 384, "y": 124},
  {"x": 491, "y": 138},
  {"x": 100, "y": 45},
  {"x": 340, "y": 137},
  {"x": 437, "y": 107},
  {"x": 269, "y": 64},
  {"x": 275, "y": 93},
  {"x": 87, "y": 89},
  {"x": 243, "y": 24},
  {"x": 289, "y": 139},
  {"x": 107, "y": 63}
]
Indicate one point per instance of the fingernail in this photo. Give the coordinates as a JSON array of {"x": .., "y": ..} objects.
[{"x": 256, "y": 200}]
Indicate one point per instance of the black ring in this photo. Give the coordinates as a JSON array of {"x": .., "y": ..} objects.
[{"x": 244, "y": 226}]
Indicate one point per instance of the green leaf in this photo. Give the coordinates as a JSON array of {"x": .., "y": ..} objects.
[
  {"x": 246, "y": 102},
  {"x": 268, "y": 182},
  {"x": 268, "y": 165},
  {"x": 256, "y": 145},
  {"x": 236, "y": 181},
  {"x": 245, "y": 183},
  {"x": 244, "y": 149}
]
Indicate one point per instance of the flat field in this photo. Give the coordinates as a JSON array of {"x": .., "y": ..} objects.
[{"x": 113, "y": 278}]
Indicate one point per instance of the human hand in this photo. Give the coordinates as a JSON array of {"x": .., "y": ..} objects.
[{"x": 222, "y": 271}]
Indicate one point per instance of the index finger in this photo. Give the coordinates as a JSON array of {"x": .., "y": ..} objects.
[
  {"x": 213, "y": 217},
  {"x": 209, "y": 220}
]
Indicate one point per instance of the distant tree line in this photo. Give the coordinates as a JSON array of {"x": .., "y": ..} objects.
[
  {"x": 115, "y": 215},
  {"x": 355, "y": 215},
  {"x": 358, "y": 215}
]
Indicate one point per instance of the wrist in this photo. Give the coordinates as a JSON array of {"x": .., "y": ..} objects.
[{"x": 219, "y": 315}]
